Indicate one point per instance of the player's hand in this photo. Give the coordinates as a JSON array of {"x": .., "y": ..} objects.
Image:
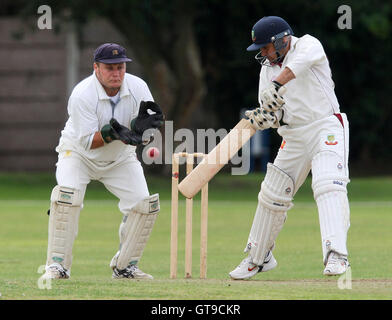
[
  {"x": 146, "y": 120},
  {"x": 262, "y": 119},
  {"x": 122, "y": 133},
  {"x": 272, "y": 97},
  {"x": 108, "y": 134}
]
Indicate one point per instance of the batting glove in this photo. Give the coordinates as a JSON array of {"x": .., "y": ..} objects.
[
  {"x": 271, "y": 98},
  {"x": 262, "y": 119}
]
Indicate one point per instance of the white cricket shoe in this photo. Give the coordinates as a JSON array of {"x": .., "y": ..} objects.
[
  {"x": 55, "y": 271},
  {"x": 247, "y": 269},
  {"x": 336, "y": 264},
  {"x": 131, "y": 272}
]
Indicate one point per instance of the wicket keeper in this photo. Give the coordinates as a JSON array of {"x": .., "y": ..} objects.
[{"x": 108, "y": 114}]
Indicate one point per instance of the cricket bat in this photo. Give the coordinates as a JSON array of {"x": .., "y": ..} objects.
[{"x": 217, "y": 158}]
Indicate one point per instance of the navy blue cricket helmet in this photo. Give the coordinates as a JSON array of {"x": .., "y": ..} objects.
[{"x": 269, "y": 29}]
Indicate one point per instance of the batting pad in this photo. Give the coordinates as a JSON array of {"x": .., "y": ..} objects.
[
  {"x": 63, "y": 225},
  {"x": 328, "y": 173},
  {"x": 330, "y": 192},
  {"x": 135, "y": 231},
  {"x": 275, "y": 198}
]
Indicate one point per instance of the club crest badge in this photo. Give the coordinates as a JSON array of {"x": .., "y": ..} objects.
[
  {"x": 331, "y": 140},
  {"x": 253, "y": 36},
  {"x": 115, "y": 52}
]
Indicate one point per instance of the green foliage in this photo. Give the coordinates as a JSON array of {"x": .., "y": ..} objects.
[{"x": 359, "y": 58}]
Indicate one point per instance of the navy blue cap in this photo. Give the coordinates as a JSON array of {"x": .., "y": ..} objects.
[
  {"x": 267, "y": 29},
  {"x": 110, "y": 53}
]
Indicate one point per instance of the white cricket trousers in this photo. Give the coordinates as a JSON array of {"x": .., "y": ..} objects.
[{"x": 123, "y": 178}]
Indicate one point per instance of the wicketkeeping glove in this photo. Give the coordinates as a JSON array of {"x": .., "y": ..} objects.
[
  {"x": 116, "y": 131},
  {"x": 145, "y": 120},
  {"x": 271, "y": 98},
  {"x": 124, "y": 134},
  {"x": 108, "y": 134}
]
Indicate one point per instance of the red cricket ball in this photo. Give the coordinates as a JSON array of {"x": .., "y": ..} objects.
[{"x": 153, "y": 152}]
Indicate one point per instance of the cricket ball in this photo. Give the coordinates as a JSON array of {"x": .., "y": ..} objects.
[{"x": 153, "y": 152}]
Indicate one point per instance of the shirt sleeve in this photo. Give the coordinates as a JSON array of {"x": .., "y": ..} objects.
[
  {"x": 84, "y": 120},
  {"x": 308, "y": 52},
  {"x": 143, "y": 94}
]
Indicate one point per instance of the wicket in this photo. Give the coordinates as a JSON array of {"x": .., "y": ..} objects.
[{"x": 188, "y": 220}]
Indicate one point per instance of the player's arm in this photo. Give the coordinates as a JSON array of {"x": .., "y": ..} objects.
[
  {"x": 97, "y": 140},
  {"x": 144, "y": 121},
  {"x": 84, "y": 122},
  {"x": 271, "y": 98},
  {"x": 285, "y": 76},
  {"x": 308, "y": 52}
]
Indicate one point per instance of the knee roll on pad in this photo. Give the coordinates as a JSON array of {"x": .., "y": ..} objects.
[
  {"x": 135, "y": 231},
  {"x": 63, "y": 224},
  {"x": 276, "y": 190},
  {"x": 329, "y": 173},
  {"x": 149, "y": 205}
]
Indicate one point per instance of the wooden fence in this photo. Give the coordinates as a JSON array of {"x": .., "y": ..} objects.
[{"x": 34, "y": 87}]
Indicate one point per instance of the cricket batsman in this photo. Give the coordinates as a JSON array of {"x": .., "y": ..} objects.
[
  {"x": 108, "y": 113},
  {"x": 296, "y": 87}
]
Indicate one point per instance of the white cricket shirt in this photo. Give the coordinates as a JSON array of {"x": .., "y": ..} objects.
[
  {"x": 90, "y": 108},
  {"x": 310, "y": 96}
]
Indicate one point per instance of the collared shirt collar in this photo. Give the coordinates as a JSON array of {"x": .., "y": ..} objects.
[
  {"x": 292, "y": 44},
  {"x": 124, "y": 89}
]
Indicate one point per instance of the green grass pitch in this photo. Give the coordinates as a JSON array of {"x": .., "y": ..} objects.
[{"x": 24, "y": 200}]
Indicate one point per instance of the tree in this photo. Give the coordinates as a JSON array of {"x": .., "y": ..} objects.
[
  {"x": 194, "y": 56},
  {"x": 161, "y": 34}
]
